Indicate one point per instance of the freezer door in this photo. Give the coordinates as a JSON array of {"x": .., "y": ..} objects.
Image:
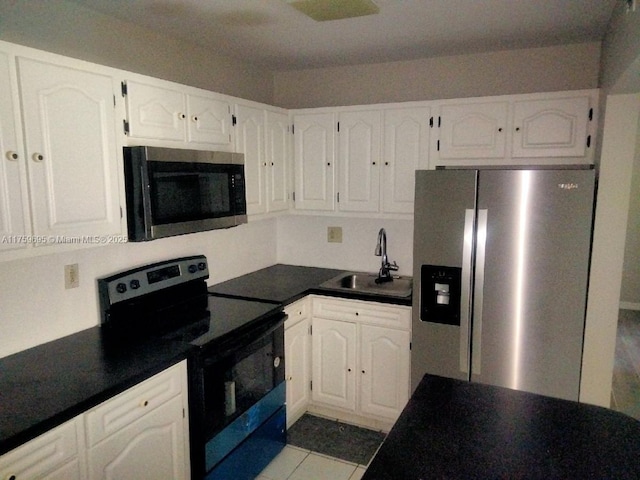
[
  {"x": 444, "y": 206},
  {"x": 531, "y": 279}
]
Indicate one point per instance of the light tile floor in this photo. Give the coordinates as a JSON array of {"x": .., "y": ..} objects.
[{"x": 295, "y": 463}]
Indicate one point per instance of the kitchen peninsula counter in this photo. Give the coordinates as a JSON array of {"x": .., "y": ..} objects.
[{"x": 452, "y": 429}]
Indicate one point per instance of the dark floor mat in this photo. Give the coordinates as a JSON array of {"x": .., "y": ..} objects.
[{"x": 336, "y": 439}]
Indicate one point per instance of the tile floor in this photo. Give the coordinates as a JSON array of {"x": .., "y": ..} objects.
[{"x": 295, "y": 463}]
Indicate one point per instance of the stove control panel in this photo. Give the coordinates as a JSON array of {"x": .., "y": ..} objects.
[{"x": 150, "y": 278}]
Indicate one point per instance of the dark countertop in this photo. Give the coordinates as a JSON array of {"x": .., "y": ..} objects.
[
  {"x": 285, "y": 284},
  {"x": 454, "y": 429},
  {"x": 47, "y": 385}
]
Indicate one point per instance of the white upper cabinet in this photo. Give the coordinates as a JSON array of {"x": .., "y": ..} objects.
[
  {"x": 359, "y": 141},
  {"x": 263, "y": 137},
  {"x": 406, "y": 149},
  {"x": 71, "y": 154},
  {"x": 531, "y": 129},
  {"x": 277, "y": 159},
  {"x": 164, "y": 112},
  {"x": 314, "y": 153},
  {"x": 551, "y": 128},
  {"x": 250, "y": 140},
  {"x": 474, "y": 130},
  {"x": 12, "y": 162}
]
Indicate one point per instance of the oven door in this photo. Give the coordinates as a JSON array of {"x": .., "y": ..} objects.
[{"x": 243, "y": 386}]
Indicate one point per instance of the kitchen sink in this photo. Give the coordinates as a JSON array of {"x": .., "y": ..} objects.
[{"x": 366, "y": 283}]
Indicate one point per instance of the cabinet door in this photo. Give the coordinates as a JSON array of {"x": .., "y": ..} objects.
[
  {"x": 53, "y": 455},
  {"x": 473, "y": 130},
  {"x": 384, "y": 371},
  {"x": 406, "y": 149},
  {"x": 334, "y": 363},
  {"x": 277, "y": 161},
  {"x": 69, "y": 128},
  {"x": 209, "y": 120},
  {"x": 12, "y": 164},
  {"x": 151, "y": 447},
  {"x": 359, "y": 161},
  {"x": 297, "y": 342},
  {"x": 551, "y": 128},
  {"x": 250, "y": 141},
  {"x": 314, "y": 153},
  {"x": 155, "y": 112}
]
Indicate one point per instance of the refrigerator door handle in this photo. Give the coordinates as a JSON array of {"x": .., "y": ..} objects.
[
  {"x": 481, "y": 240},
  {"x": 465, "y": 289}
]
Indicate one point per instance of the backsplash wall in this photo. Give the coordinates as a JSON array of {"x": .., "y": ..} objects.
[
  {"x": 36, "y": 308},
  {"x": 302, "y": 240}
]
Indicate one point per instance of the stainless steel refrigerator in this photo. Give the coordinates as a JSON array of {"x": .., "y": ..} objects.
[{"x": 501, "y": 261}]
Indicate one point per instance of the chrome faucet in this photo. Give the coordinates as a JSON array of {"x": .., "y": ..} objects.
[{"x": 381, "y": 251}]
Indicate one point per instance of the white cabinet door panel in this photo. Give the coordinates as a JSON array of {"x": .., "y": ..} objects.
[
  {"x": 72, "y": 160},
  {"x": 406, "y": 149},
  {"x": 298, "y": 365},
  {"x": 12, "y": 164},
  {"x": 551, "y": 128},
  {"x": 473, "y": 130},
  {"x": 384, "y": 367},
  {"x": 314, "y": 153},
  {"x": 209, "y": 120},
  {"x": 359, "y": 159},
  {"x": 277, "y": 125},
  {"x": 250, "y": 141},
  {"x": 155, "y": 112},
  {"x": 334, "y": 363},
  {"x": 151, "y": 447}
]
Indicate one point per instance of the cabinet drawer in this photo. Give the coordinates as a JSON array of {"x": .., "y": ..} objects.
[
  {"x": 44, "y": 455},
  {"x": 125, "y": 408},
  {"x": 371, "y": 313},
  {"x": 296, "y": 312}
]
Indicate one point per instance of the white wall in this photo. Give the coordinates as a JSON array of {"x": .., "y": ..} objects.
[
  {"x": 36, "y": 308},
  {"x": 614, "y": 184},
  {"x": 302, "y": 240}
]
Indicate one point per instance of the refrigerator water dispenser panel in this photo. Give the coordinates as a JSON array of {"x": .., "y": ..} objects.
[{"x": 440, "y": 294}]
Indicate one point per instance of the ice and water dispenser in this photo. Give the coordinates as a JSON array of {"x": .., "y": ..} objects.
[{"x": 440, "y": 294}]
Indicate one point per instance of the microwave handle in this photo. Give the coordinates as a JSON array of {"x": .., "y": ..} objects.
[{"x": 145, "y": 187}]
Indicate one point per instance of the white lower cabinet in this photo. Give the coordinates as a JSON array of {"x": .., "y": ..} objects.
[
  {"x": 143, "y": 432},
  {"x": 297, "y": 341},
  {"x": 140, "y": 433},
  {"x": 55, "y": 455},
  {"x": 361, "y": 360}
]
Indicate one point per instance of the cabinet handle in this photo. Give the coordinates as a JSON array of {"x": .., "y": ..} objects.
[
  {"x": 362, "y": 371},
  {"x": 195, "y": 119},
  {"x": 11, "y": 155},
  {"x": 386, "y": 163},
  {"x": 12, "y": 477},
  {"x": 328, "y": 164},
  {"x": 374, "y": 163},
  {"x": 348, "y": 369},
  {"x": 38, "y": 157},
  {"x": 144, "y": 403},
  {"x": 500, "y": 129},
  {"x": 357, "y": 313},
  {"x": 517, "y": 129},
  {"x": 181, "y": 116}
]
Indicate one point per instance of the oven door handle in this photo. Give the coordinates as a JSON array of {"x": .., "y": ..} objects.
[{"x": 246, "y": 339}]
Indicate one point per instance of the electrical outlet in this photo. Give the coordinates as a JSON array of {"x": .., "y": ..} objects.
[
  {"x": 334, "y": 234},
  {"x": 71, "y": 276}
]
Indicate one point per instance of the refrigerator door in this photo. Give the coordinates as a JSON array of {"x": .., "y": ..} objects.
[
  {"x": 531, "y": 279},
  {"x": 444, "y": 208}
]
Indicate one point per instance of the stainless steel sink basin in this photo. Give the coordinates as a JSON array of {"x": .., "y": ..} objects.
[{"x": 366, "y": 283}]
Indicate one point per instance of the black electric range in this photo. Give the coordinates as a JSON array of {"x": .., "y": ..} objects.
[{"x": 236, "y": 375}]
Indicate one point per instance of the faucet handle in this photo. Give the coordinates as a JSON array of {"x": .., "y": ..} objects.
[{"x": 393, "y": 266}]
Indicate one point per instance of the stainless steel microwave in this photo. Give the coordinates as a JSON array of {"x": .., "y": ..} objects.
[{"x": 173, "y": 191}]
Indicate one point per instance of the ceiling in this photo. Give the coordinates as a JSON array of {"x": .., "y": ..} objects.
[{"x": 274, "y": 35}]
